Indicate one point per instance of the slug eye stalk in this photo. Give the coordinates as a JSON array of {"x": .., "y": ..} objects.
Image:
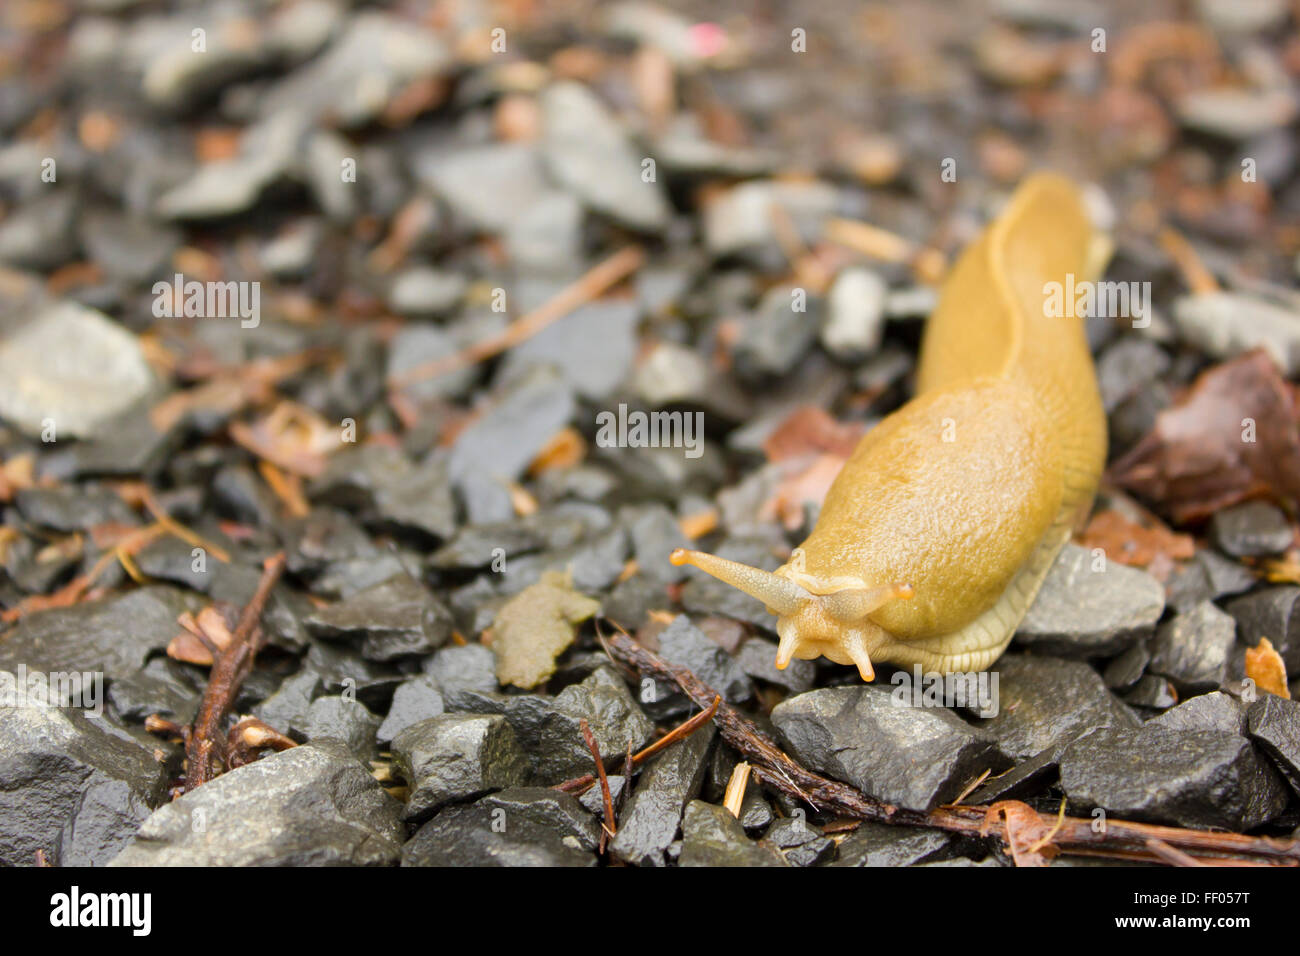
[{"x": 808, "y": 624}]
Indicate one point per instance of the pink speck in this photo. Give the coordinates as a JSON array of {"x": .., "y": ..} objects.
[{"x": 707, "y": 39}]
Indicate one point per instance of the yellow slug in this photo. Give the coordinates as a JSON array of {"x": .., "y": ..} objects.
[{"x": 937, "y": 534}]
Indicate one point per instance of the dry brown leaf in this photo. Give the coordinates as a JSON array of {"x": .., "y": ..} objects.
[
  {"x": 809, "y": 430},
  {"x": 1133, "y": 544},
  {"x": 213, "y": 623},
  {"x": 1232, "y": 437},
  {"x": 1027, "y": 836},
  {"x": 535, "y": 627},
  {"x": 1264, "y": 665},
  {"x": 805, "y": 483}
]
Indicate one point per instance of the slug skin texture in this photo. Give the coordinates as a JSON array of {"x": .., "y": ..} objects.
[{"x": 937, "y": 534}]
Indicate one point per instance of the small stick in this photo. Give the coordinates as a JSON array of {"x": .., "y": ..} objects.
[
  {"x": 229, "y": 670},
  {"x": 583, "y": 783},
  {"x": 607, "y": 828},
  {"x": 735, "y": 795},
  {"x": 1170, "y": 855},
  {"x": 593, "y": 284},
  {"x": 1121, "y": 838}
]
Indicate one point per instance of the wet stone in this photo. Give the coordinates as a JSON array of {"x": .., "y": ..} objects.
[
  {"x": 1193, "y": 649},
  {"x": 593, "y": 801},
  {"x": 484, "y": 834},
  {"x": 684, "y": 644},
  {"x": 711, "y": 836},
  {"x": 1254, "y": 529},
  {"x": 348, "y": 721},
  {"x": 454, "y": 757},
  {"x": 878, "y": 844},
  {"x": 549, "y": 727},
  {"x": 800, "y": 843},
  {"x": 550, "y": 809},
  {"x": 914, "y": 757},
  {"x": 1086, "y": 610},
  {"x": 67, "y": 508},
  {"x": 1201, "y": 778},
  {"x": 460, "y": 670},
  {"x": 1274, "y": 724},
  {"x": 592, "y": 347},
  {"x": 757, "y": 658},
  {"x": 289, "y": 705},
  {"x": 416, "y": 700},
  {"x": 1127, "y": 669},
  {"x": 1152, "y": 692},
  {"x": 1207, "y": 577},
  {"x": 652, "y": 815},
  {"x": 1045, "y": 702},
  {"x": 309, "y": 806},
  {"x": 1213, "y": 711},
  {"x": 397, "y": 618},
  {"x": 68, "y": 787},
  {"x": 1270, "y": 613},
  {"x": 114, "y": 635},
  {"x": 755, "y": 811}
]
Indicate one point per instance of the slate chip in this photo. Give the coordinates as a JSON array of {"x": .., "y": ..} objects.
[
  {"x": 914, "y": 757},
  {"x": 1195, "y": 778},
  {"x": 453, "y": 757},
  {"x": 652, "y": 815},
  {"x": 397, "y": 618}
]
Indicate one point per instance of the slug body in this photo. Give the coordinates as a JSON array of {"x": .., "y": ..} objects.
[{"x": 937, "y": 534}]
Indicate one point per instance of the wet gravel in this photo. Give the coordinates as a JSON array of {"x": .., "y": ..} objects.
[{"x": 397, "y": 192}]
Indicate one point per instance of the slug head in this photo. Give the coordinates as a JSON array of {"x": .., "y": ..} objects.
[{"x": 835, "y": 625}]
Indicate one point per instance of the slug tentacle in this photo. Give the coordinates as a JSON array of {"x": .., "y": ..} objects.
[{"x": 781, "y": 595}]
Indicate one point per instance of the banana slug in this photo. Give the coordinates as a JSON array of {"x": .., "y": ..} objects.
[{"x": 940, "y": 528}]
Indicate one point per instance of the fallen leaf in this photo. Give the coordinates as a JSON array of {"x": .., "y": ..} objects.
[
  {"x": 1133, "y": 544},
  {"x": 535, "y": 627},
  {"x": 1265, "y": 667},
  {"x": 1232, "y": 437},
  {"x": 1028, "y": 838},
  {"x": 213, "y": 622},
  {"x": 809, "y": 430},
  {"x": 804, "y": 483}
]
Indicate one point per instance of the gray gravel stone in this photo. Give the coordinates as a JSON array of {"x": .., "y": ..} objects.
[
  {"x": 113, "y": 635},
  {"x": 69, "y": 787},
  {"x": 878, "y": 844},
  {"x": 1045, "y": 702},
  {"x": 1188, "y": 778},
  {"x": 1274, "y": 724},
  {"x": 757, "y": 658},
  {"x": 799, "y": 842},
  {"x": 685, "y": 644},
  {"x": 72, "y": 367},
  {"x": 653, "y": 813},
  {"x": 914, "y": 757},
  {"x": 454, "y": 757},
  {"x": 417, "y": 699},
  {"x": 396, "y": 618},
  {"x": 423, "y": 292},
  {"x": 1193, "y": 649},
  {"x": 348, "y": 721},
  {"x": 711, "y": 836},
  {"x": 1085, "y": 612},
  {"x": 309, "y": 806},
  {"x": 1270, "y": 613},
  {"x": 1214, "y": 711},
  {"x": 549, "y": 727},
  {"x": 484, "y": 834},
  {"x": 587, "y": 151},
  {"x": 1254, "y": 529}
]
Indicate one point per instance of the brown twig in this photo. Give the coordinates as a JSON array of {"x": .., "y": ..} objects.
[
  {"x": 581, "y": 784},
  {"x": 1119, "y": 839},
  {"x": 608, "y": 828},
  {"x": 591, "y": 285},
  {"x": 206, "y": 747}
]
